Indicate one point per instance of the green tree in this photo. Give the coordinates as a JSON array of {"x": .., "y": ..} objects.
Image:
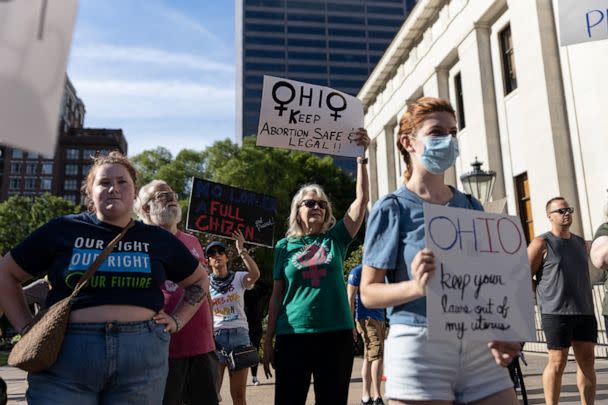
[{"x": 19, "y": 216}]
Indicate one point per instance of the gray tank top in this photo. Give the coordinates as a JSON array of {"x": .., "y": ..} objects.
[{"x": 564, "y": 286}]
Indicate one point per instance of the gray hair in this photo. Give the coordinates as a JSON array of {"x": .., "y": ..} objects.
[
  {"x": 143, "y": 199},
  {"x": 294, "y": 229}
]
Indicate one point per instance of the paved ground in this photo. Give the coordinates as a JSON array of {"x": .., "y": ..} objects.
[{"x": 263, "y": 394}]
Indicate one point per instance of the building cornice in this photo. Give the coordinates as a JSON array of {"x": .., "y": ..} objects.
[{"x": 408, "y": 36}]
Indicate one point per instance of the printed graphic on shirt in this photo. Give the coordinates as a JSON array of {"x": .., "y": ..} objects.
[
  {"x": 129, "y": 261},
  {"x": 224, "y": 306},
  {"x": 311, "y": 258}
]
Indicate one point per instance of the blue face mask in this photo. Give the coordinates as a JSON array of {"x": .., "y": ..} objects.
[{"x": 440, "y": 152}]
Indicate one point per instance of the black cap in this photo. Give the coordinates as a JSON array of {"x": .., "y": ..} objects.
[{"x": 212, "y": 245}]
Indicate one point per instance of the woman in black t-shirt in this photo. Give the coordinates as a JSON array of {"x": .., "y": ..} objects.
[{"x": 116, "y": 346}]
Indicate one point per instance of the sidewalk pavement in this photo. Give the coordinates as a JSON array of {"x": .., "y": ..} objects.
[{"x": 264, "y": 393}]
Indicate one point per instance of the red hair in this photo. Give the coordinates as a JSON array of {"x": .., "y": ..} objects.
[{"x": 412, "y": 119}]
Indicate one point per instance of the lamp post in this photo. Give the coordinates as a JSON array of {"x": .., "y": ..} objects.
[{"x": 478, "y": 182}]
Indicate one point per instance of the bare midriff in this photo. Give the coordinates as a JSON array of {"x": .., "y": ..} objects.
[{"x": 118, "y": 313}]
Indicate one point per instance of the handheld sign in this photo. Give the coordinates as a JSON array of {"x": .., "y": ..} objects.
[
  {"x": 219, "y": 209},
  {"x": 582, "y": 21},
  {"x": 482, "y": 287},
  {"x": 35, "y": 41},
  {"x": 302, "y": 116}
]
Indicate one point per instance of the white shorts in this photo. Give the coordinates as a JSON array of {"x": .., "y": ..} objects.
[{"x": 420, "y": 370}]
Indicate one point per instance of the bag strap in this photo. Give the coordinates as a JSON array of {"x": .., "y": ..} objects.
[{"x": 102, "y": 256}]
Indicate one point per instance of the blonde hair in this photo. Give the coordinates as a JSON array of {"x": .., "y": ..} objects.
[
  {"x": 295, "y": 229},
  {"x": 143, "y": 199}
]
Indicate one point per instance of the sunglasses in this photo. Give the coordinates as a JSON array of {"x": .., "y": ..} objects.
[
  {"x": 563, "y": 211},
  {"x": 215, "y": 252},
  {"x": 313, "y": 203}
]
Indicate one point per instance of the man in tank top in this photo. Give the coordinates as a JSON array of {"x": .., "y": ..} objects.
[{"x": 559, "y": 260}]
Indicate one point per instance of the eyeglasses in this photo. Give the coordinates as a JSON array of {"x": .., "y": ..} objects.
[
  {"x": 164, "y": 195},
  {"x": 215, "y": 252},
  {"x": 563, "y": 211},
  {"x": 312, "y": 203}
]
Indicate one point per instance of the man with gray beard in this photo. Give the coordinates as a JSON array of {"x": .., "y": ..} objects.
[{"x": 193, "y": 363}]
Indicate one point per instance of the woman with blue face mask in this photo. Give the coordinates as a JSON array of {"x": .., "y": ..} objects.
[{"x": 418, "y": 369}]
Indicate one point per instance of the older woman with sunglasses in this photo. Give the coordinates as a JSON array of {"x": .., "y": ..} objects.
[
  {"x": 309, "y": 310},
  {"x": 227, "y": 290}
]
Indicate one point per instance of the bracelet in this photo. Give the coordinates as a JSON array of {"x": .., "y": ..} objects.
[
  {"x": 178, "y": 323},
  {"x": 362, "y": 160},
  {"x": 244, "y": 251}
]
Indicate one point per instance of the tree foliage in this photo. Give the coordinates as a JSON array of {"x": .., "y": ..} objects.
[
  {"x": 19, "y": 216},
  {"x": 275, "y": 172}
]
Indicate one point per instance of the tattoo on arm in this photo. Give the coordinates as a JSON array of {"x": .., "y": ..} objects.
[{"x": 194, "y": 294}]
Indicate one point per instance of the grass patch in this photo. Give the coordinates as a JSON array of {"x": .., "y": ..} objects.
[{"x": 3, "y": 358}]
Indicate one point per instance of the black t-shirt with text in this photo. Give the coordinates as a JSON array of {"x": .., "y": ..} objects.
[{"x": 138, "y": 266}]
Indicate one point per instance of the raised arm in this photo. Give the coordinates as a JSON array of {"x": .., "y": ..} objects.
[
  {"x": 356, "y": 212},
  {"x": 253, "y": 272}
]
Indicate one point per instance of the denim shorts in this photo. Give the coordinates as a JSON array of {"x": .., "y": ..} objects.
[
  {"x": 105, "y": 363},
  {"x": 420, "y": 370},
  {"x": 228, "y": 339}
]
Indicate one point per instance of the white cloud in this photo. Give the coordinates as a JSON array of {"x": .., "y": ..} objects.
[
  {"x": 122, "y": 55},
  {"x": 154, "y": 99}
]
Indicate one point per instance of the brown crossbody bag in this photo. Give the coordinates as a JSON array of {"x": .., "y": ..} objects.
[{"x": 39, "y": 347}]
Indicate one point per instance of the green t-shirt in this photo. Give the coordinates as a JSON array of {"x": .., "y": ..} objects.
[
  {"x": 603, "y": 231},
  {"x": 315, "y": 297}
]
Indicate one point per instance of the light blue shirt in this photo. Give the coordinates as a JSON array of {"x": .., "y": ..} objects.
[{"x": 394, "y": 235}]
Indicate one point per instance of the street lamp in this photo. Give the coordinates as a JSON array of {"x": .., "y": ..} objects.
[{"x": 479, "y": 183}]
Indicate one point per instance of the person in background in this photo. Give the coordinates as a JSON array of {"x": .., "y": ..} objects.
[
  {"x": 559, "y": 260},
  {"x": 193, "y": 364},
  {"x": 371, "y": 325},
  {"x": 418, "y": 369},
  {"x": 229, "y": 319},
  {"x": 254, "y": 304},
  {"x": 308, "y": 308},
  {"x": 115, "y": 349},
  {"x": 599, "y": 258}
]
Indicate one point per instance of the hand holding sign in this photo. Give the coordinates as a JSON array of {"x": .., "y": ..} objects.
[
  {"x": 423, "y": 267},
  {"x": 302, "y": 116}
]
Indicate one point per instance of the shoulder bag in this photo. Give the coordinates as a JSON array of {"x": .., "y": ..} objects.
[{"x": 39, "y": 347}]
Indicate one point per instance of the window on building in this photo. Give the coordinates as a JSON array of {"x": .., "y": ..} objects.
[
  {"x": 14, "y": 183},
  {"x": 70, "y": 184},
  {"x": 71, "y": 170},
  {"x": 347, "y": 57},
  {"x": 89, "y": 153},
  {"x": 30, "y": 168},
  {"x": 70, "y": 197},
  {"x": 30, "y": 183},
  {"x": 508, "y": 60},
  {"x": 16, "y": 167},
  {"x": 45, "y": 184},
  {"x": 72, "y": 154},
  {"x": 524, "y": 205},
  {"x": 17, "y": 154},
  {"x": 318, "y": 18},
  {"x": 459, "y": 101},
  {"x": 85, "y": 169},
  {"x": 47, "y": 168}
]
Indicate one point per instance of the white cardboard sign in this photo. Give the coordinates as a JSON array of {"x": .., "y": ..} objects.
[
  {"x": 482, "y": 288},
  {"x": 35, "y": 39},
  {"x": 582, "y": 21},
  {"x": 302, "y": 116}
]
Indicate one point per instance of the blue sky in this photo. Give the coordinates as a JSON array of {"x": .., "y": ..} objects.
[{"x": 162, "y": 70}]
